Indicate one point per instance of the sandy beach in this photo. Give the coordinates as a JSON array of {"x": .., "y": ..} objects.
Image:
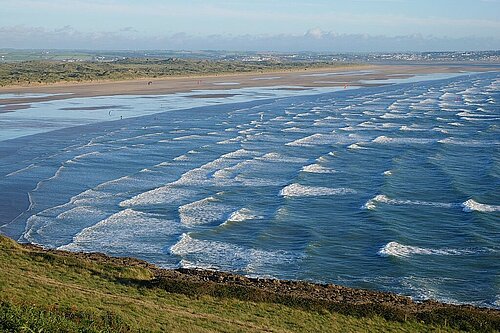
[{"x": 303, "y": 79}]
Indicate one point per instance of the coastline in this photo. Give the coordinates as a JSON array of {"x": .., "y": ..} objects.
[
  {"x": 305, "y": 79},
  {"x": 308, "y": 296},
  {"x": 302, "y": 295}
]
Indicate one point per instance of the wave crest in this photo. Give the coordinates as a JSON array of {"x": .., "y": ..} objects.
[
  {"x": 395, "y": 249},
  {"x": 298, "y": 190},
  {"x": 474, "y": 206}
]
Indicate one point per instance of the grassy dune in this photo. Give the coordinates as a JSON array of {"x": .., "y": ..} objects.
[
  {"x": 45, "y": 291},
  {"x": 44, "y": 72}
]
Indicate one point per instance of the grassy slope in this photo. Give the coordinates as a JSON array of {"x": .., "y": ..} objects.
[{"x": 45, "y": 292}]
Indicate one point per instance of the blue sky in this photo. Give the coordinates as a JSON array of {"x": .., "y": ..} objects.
[{"x": 257, "y": 24}]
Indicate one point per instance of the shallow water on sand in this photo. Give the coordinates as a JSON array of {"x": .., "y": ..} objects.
[{"x": 391, "y": 188}]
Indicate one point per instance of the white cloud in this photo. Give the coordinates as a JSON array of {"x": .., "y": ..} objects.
[
  {"x": 315, "y": 33},
  {"x": 313, "y": 40},
  {"x": 220, "y": 16}
]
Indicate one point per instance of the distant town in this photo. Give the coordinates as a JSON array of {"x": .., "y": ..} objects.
[{"x": 14, "y": 55}]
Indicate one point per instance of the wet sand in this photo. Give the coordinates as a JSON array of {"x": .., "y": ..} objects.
[
  {"x": 10, "y": 107},
  {"x": 299, "y": 79},
  {"x": 213, "y": 95},
  {"x": 94, "y": 108}
]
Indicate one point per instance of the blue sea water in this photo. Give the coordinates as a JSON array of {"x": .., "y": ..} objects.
[{"x": 391, "y": 188}]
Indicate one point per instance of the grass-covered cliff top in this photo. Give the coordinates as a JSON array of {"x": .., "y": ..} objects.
[
  {"x": 38, "y": 72},
  {"x": 52, "y": 291}
]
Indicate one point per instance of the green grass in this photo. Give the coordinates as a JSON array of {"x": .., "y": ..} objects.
[
  {"x": 50, "y": 292},
  {"x": 45, "y": 72}
]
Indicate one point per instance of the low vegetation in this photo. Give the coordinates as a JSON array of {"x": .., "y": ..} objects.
[
  {"x": 50, "y": 291},
  {"x": 45, "y": 72}
]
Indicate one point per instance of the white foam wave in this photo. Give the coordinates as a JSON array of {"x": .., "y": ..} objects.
[
  {"x": 387, "y": 140},
  {"x": 142, "y": 136},
  {"x": 293, "y": 129},
  {"x": 188, "y": 137},
  {"x": 393, "y": 115},
  {"x": 474, "y": 206},
  {"x": 281, "y": 158},
  {"x": 263, "y": 137},
  {"x": 304, "y": 114},
  {"x": 207, "y": 173},
  {"x": 85, "y": 155},
  {"x": 428, "y": 101},
  {"x": 316, "y": 168},
  {"x": 322, "y": 159},
  {"x": 481, "y": 119},
  {"x": 240, "y": 153},
  {"x": 232, "y": 171},
  {"x": 226, "y": 256},
  {"x": 322, "y": 139},
  {"x": 440, "y": 130},
  {"x": 114, "y": 182},
  {"x": 356, "y": 146},
  {"x": 257, "y": 182},
  {"x": 56, "y": 175},
  {"x": 50, "y": 226},
  {"x": 183, "y": 157},
  {"x": 124, "y": 232},
  {"x": 242, "y": 215},
  {"x": 350, "y": 129},
  {"x": 471, "y": 91},
  {"x": 412, "y": 128},
  {"x": 33, "y": 224},
  {"x": 308, "y": 140},
  {"x": 395, "y": 249},
  {"x": 160, "y": 195},
  {"x": 204, "y": 211},
  {"x": 279, "y": 118},
  {"x": 393, "y": 106},
  {"x": 298, "y": 190},
  {"x": 20, "y": 170},
  {"x": 231, "y": 140},
  {"x": 382, "y": 139},
  {"x": 450, "y": 96},
  {"x": 469, "y": 143},
  {"x": 247, "y": 131},
  {"x": 78, "y": 212},
  {"x": 204, "y": 175},
  {"x": 468, "y": 114},
  {"x": 381, "y": 198}
]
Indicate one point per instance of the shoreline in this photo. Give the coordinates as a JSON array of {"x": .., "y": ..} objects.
[
  {"x": 64, "y": 291},
  {"x": 340, "y": 76},
  {"x": 308, "y": 295},
  {"x": 303, "y": 295}
]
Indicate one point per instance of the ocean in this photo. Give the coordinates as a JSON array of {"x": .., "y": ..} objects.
[{"x": 392, "y": 188}]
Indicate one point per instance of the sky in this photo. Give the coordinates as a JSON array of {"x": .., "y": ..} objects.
[{"x": 252, "y": 25}]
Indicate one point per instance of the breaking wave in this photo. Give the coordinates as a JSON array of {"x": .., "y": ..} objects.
[
  {"x": 473, "y": 206},
  {"x": 298, "y": 190},
  {"x": 381, "y": 198},
  {"x": 395, "y": 249}
]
